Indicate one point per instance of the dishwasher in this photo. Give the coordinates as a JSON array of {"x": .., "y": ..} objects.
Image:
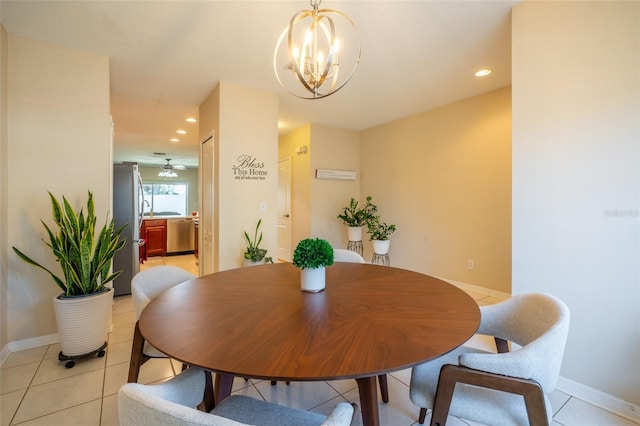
[{"x": 180, "y": 238}]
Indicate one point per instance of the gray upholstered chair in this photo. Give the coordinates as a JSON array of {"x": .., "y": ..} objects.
[
  {"x": 489, "y": 387},
  {"x": 145, "y": 286},
  {"x": 342, "y": 255},
  {"x": 172, "y": 403}
]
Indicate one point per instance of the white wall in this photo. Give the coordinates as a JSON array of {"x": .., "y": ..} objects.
[
  {"x": 58, "y": 141},
  {"x": 332, "y": 149},
  {"x": 316, "y": 203},
  {"x": 576, "y": 179},
  {"x": 247, "y": 140},
  {"x": 443, "y": 177}
]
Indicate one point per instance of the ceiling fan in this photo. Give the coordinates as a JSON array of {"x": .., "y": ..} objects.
[{"x": 168, "y": 169}]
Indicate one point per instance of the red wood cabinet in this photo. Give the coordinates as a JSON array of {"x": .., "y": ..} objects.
[{"x": 156, "y": 237}]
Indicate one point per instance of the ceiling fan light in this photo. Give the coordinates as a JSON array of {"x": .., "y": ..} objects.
[
  {"x": 167, "y": 170},
  {"x": 168, "y": 174}
]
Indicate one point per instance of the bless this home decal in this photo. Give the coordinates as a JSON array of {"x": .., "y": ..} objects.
[{"x": 248, "y": 167}]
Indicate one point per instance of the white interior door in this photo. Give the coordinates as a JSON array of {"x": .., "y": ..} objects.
[
  {"x": 284, "y": 209},
  {"x": 206, "y": 250}
]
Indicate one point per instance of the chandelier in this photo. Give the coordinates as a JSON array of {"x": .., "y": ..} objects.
[{"x": 313, "y": 64}]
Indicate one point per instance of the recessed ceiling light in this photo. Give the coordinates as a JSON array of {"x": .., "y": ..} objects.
[
  {"x": 174, "y": 140},
  {"x": 483, "y": 72},
  {"x": 181, "y": 132},
  {"x": 190, "y": 120}
]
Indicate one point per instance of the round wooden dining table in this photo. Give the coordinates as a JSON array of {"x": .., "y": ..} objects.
[{"x": 256, "y": 322}]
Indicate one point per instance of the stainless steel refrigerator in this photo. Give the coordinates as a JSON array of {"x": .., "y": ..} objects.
[{"x": 128, "y": 199}]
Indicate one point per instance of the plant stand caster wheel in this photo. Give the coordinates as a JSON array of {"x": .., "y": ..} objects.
[{"x": 71, "y": 358}]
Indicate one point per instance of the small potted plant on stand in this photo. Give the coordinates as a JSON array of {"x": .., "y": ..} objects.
[
  {"x": 83, "y": 310},
  {"x": 254, "y": 255},
  {"x": 355, "y": 218},
  {"x": 380, "y": 233},
  {"x": 312, "y": 255}
]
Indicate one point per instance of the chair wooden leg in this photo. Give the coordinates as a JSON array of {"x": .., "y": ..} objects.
[
  {"x": 422, "y": 416},
  {"x": 384, "y": 388},
  {"x": 502, "y": 345},
  {"x": 442, "y": 400},
  {"x": 274, "y": 382},
  {"x": 137, "y": 355}
]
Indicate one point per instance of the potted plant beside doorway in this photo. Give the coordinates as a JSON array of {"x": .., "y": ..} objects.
[
  {"x": 253, "y": 254},
  {"x": 83, "y": 310}
]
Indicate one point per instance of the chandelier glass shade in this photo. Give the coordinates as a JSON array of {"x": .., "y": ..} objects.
[{"x": 310, "y": 60}]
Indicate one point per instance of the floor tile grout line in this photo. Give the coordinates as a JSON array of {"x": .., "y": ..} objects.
[{"x": 24, "y": 395}]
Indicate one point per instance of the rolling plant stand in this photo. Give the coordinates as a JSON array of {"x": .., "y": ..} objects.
[{"x": 71, "y": 358}]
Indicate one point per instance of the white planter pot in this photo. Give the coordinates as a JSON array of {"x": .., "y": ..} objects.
[
  {"x": 83, "y": 322},
  {"x": 312, "y": 280},
  {"x": 381, "y": 246},
  {"x": 354, "y": 233},
  {"x": 249, "y": 262}
]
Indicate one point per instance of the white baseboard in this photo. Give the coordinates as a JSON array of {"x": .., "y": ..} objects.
[
  {"x": 478, "y": 289},
  {"x": 34, "y": 342},
  {"x": 600, "y": 399}
]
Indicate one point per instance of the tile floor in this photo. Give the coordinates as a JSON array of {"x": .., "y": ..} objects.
[{"x": 36, "y": 389}]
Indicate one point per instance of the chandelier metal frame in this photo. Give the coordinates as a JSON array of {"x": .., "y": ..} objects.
[{"x": 308, "y": 62}]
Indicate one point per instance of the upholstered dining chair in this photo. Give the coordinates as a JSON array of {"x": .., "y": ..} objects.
[
  {"x": 173, "y": 403},
  {"x": 145, "y": 286},
  {"x": 343, "y": 255},
  {"x": 504, "y": 388}
]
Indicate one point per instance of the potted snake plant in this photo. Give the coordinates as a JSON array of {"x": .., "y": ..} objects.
[
  {"x": 312, "y": 255},
  {"x": 83, "y": 309}
]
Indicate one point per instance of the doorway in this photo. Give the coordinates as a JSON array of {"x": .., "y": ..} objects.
[
  {"x": 206, "y": 220},
  {"x": 284, "y": 209}
]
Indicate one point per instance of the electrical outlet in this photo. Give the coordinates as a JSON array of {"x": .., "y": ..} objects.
[
  {"x": 263, "y": 206},
  {"x": 470, "y": 264}
]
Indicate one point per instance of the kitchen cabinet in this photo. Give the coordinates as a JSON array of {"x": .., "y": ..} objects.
[{"x": 156, "y": 240}]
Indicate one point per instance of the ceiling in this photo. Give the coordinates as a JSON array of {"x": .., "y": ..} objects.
[{"x": 167, "y": 56}]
